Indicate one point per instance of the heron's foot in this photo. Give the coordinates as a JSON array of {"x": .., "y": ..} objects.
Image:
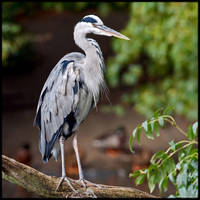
[
  {"x": 84, "y": 183},
  {"x": 68, "y": 182},
  {"x": 88, "y": 190}
]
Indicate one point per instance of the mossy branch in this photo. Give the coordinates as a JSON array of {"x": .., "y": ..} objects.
[{"x": 44, "y": 186}]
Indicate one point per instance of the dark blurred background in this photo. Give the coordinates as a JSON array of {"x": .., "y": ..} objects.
[{"x": 156, "y": 68}]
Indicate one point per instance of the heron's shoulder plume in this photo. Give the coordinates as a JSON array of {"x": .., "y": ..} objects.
[{"x": 64, "y": 65}]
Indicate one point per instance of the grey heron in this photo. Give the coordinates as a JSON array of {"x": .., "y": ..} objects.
[{"x": 71, "y": 90}]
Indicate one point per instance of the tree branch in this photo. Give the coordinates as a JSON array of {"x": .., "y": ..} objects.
[{"x": 44, "y": 186}]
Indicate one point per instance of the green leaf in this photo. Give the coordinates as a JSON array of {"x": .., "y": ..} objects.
[
  {"x": 161, "y": 121},
  {"x": 181, "y": 155},
  {"x": 145, "y": 126},
  {"x": 168, "y": 110},
  {"x": 157, "y": 155},
  {"x": 172, "y": 178},
  {"x": 169, "y": 165},
  {"x": 138, "y": 134},
  {"x": 172, "y": 145},
  {"x": 194, "y": 128},
  {"x": 151, "y": 176},
  {"x": 156, "y": 128},
  {"x": 134, "y": 132},
  {"x": 159, "y": 175},
  {"x": 149, "y": 128},
  {"x": 157, "y": 113},
  {"x": 172, "y": 165},
  {"x": 178, "y": 166},
  {"x": 131, "y": 143},
  {"x": 190, "y": 133},
  {"x": 188, "y": 149},
  {"x": 181, "y": 179},
  {"x": 151, "y": 121},
  {"x": 194, "y": 151},
  {"x": 178, "y": 146},
  {"x": 140, "y": 179},
  {"x": 134, "y": 174},
  {"x": 151, "y": 181},
  {"x": 149, "y": 132},
  {"x": 165, "y": 183}
]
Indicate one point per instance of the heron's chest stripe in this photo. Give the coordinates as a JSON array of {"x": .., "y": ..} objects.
[
  {"x": 64, "y": 65},
  {"x": 98, "y": 51}
]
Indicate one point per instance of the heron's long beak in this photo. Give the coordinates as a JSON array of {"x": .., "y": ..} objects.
[{"x": 104, "y": 30}]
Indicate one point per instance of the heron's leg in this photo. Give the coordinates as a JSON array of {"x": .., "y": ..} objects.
[
  {"x": 64, "y": 177},
  {"x": 80, "y": 171}
]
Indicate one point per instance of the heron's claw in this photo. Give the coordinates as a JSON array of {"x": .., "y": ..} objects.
[
  {"x": 88, "y": 183},
  {"x": 83, "y": 183},
  {"x": 68, "y": 182},
  {"x": 88, "y": 190}
]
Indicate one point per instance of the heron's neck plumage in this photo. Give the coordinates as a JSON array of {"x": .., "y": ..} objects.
[{"x": 93, "y": 68}]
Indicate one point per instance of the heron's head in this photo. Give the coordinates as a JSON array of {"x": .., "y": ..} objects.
[{"x": 93, "y": 24}]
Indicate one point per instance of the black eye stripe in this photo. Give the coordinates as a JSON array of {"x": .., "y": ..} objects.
[{"x": 89, "y": 19}]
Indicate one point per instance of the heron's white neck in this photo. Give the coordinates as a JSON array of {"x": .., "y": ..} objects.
[{"x": 92, "y": 70}]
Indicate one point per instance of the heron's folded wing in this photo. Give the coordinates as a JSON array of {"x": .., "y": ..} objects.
[{"x": 57, "y": 102}]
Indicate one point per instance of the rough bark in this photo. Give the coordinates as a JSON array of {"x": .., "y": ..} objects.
[{"x": 44, "y": 186}]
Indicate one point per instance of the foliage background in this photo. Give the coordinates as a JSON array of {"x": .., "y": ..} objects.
[{"x": 159, "y": 63}]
